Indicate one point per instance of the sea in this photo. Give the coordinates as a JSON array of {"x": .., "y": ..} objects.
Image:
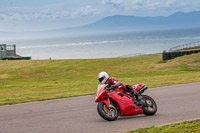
[{"x": 108, "y": 45}]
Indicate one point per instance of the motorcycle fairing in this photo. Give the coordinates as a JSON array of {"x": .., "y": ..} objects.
[
  {"x": 138, "y": 87},
  {"x": 126, "y": 104}
]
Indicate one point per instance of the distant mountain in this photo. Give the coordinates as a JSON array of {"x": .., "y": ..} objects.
[{"x": 121, "y": 23}]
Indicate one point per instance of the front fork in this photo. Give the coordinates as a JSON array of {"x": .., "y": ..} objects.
[{"x": 108, "y": 102}]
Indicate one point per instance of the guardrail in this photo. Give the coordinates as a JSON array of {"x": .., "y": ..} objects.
[{"x": 185, "y": 46}]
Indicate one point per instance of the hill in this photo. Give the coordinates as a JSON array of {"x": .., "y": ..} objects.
[
  {"x": 121, "y": 23},
  {"x": 35, "y": 80}
]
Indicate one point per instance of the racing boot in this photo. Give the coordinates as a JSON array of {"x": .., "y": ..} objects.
[
  {"x": 135, "y": 97},
  {"x": 133, "y": 93}
]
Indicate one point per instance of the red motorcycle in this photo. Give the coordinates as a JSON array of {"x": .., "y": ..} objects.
[{"x": 117, "y": 102}]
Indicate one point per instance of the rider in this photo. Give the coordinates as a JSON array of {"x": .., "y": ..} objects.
[{"x": 114, "y": 83}]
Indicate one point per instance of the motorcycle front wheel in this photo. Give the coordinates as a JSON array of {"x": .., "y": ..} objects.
[
  {"x": 150, "y": 108},
  {"x": 109, "y": 114}
]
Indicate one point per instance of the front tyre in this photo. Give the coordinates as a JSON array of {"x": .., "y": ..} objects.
[
  {"x": 150, "y": 108},
  {"x": 109, "y": 114}
]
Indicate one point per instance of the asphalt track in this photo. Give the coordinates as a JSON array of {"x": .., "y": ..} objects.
[{"x": 79, "y": 115}]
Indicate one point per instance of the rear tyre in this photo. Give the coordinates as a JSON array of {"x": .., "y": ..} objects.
[
  {"x": 150, "y": 108},
  {"x": 109, "y": 114}
]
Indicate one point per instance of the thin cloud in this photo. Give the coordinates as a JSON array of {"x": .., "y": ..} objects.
[
  {"x": 152, "y": 6},
  {"x": 32, "y": 18},
  {"x": 84, "y": 11},
  {"x": 24, "y": 14}
]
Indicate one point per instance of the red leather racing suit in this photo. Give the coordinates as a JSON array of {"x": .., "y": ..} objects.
[{"x": 114, "y": 83}]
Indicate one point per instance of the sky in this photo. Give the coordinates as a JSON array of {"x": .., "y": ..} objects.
[{"x": 39, "y": 15}]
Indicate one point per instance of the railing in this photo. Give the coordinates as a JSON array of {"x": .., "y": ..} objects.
[{"x": 185, "y": 46}]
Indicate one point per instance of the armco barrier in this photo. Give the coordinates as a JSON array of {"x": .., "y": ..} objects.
[{"x": 172, "y": 55}]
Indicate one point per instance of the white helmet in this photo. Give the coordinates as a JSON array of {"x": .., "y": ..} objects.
[{"x": 103, "y": 77}]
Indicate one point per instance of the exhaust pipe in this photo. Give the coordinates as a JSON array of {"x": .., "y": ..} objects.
[{"x": 143, "y": 89}]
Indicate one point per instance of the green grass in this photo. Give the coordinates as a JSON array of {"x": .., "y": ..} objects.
[
  {"x": 36, "y": 80},
  {"x": 183, "y": 127}
]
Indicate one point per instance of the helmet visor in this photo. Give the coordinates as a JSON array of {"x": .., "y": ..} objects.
[{"x": 101, "y": 79}]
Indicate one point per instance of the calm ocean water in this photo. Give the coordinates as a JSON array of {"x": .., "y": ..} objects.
[{"x": 105, "y": 46}]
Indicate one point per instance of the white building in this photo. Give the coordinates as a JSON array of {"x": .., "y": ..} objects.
[{"x": 7, "y": 51}]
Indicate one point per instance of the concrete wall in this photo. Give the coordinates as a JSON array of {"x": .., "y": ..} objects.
[{"x": 172, "y": 55}]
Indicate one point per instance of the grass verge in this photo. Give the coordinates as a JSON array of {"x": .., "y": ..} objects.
[
  {"x": 36, "y": 80},
  {"x": 183, "y": 127}
]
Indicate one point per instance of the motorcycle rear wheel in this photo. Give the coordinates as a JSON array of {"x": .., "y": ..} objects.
[
  {"x": 151, "y": 107},
  {"x": 109, "y": 114}
]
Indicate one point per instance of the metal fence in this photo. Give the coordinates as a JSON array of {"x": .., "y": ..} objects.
[{"x": 185, "y": 46}]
